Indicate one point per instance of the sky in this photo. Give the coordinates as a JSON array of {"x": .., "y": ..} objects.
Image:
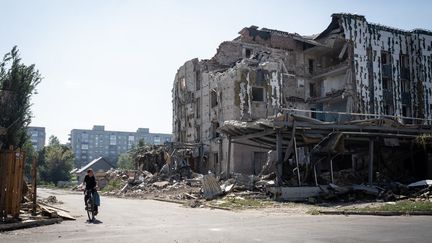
[{"x": 113, "y": 63}]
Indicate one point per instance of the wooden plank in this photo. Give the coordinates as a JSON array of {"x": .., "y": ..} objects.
[
  {"x": 2, "y": 188},
  {"x": 16, "y": 164},
  {"x": 50, "y": 206},
  {"x": 56, "y": 211},
  {"x": 19, "y": 179},
  {"x": 9, "y": 182},
  {"x": 15, "y": 197},
  {"x": 34, "y": 189}
]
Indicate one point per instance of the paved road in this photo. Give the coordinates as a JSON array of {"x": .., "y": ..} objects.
[{"x": 127, "y": 220}]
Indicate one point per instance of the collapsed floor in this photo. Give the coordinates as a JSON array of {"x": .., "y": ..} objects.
[{"x": 308, "y": 160}]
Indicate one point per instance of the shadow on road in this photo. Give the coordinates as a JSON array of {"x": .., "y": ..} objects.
[{"x": 95, "y": 221}]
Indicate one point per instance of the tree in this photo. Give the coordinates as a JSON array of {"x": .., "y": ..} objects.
[
  {"x": 30, "y": 154},
  {"x": 17, "y": 84},
  {"x": 141, "y": 143},
  {"x": 125, "y": 161},
  {"x": 57, "y": 161}
]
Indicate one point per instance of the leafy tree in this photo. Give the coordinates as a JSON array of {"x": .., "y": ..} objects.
[
  {"x": 141, "y": 143},
  {"x": 30, "y": 154},
  {"x": 17, "y": 84},
  {"x": 57, "y": 161},
  {"x": 125, "y": 161}
]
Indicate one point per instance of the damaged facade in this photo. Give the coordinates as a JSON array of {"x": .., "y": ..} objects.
[{"x": 352, "y": 66}]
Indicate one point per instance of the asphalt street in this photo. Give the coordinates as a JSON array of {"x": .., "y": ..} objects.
[{"x": 129, "y": 220}]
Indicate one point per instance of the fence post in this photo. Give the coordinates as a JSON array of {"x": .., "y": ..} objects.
[{"x": 34, "y": 175}]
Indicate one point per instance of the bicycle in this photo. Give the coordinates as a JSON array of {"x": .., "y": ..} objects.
[{"x": 90, "y": 205}]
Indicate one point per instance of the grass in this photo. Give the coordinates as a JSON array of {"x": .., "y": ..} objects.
[
  {"x": 49, "y": 185},
  {"x": 313, "y": 212},
  {"x": 406, "y": 206},
  {"x": 241, "y": 203},
  {"x": 113, "y": 185}
]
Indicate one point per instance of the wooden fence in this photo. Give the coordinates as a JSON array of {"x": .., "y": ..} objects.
[{"x": 11, "y": 182}]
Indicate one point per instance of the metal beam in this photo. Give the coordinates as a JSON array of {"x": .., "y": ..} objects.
[
  {"x": 371, "y": 157},
  {"x": 279, "y": 163},
  {"x": 229, "y": 158}
]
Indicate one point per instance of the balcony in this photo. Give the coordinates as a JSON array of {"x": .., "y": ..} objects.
[
  {"x": 386, "y": 70},
  {"x": 405, "y": 73},
  {"x": 387, "y": 96},
  {"x": 406, "y": 98}
]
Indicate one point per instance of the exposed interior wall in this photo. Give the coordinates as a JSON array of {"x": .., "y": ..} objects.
[
  {"x": 417, "y": 45},
  {"x": 262, "y": 70}
]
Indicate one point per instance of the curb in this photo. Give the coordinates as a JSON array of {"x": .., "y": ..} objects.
[
  {"x": 28, "y": 224},
  {"x": 378, "y": 213},
  {"x": 183, "y": 203},
  {"x": 167, "y": 200}
]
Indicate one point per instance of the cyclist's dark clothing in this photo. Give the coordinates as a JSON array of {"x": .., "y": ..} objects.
[{"x": 90, "y": 182}]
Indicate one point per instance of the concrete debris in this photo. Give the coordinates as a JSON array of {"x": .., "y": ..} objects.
[
  {"x": 161, "y": 184},
  {"x": 211, "y": 188},
  {"x": 421, "y": 183},
  {"x": 44, "y": 209},
  {"x": 51, "y": 200}
]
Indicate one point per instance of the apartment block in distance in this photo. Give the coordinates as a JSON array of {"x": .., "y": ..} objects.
[
  {"x": 37, "y": 137},
  {"x": 98, "y": 142}
]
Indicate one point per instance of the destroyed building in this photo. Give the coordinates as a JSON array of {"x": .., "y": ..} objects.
[{"x": 352, "y": 67}]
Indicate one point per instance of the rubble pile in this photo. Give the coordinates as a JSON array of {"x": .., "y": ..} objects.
[
  {"x": 195, "y": 189},
  {"x": 43, "y": 209},
  {"x": 143, "y": 184}
]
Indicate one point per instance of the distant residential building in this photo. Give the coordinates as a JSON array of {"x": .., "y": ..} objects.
[
  {"x": 37, "y": 137},
  {"x": 97, "y": 142}
]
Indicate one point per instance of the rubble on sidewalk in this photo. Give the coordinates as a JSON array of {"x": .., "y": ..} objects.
[{"x": 173, "y": 179}]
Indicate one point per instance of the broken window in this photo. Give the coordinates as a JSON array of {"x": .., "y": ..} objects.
[
  {"x": 248, "y": 53},
  {"x": 198, "y": 107},
  {"x": 313, "y": 114},
  {"x": 387, "y": 85},
  {"x": 404, "y": 61},
  {"x": 260, "y": 77},
  {"x": 198, "y": 133},
  {"x": 311, "y": 66},
  {"x": 197, "y": 81},
  {"x": 215, "y": 161},
  {"x": 405, "y": 86},
  {"x": 312, "y": 91},
  {"x": 215, "y": 126},
  {"x": 386, "y": 64},
  {"x": 385, "y": 58},
  {"x": 257, "y": 94},
  {"x": 404, "y": 70},
  {"x": 388, "y": 110},
  {"x": 213, "y": 98},
  {"x": 405, "y": 111}
]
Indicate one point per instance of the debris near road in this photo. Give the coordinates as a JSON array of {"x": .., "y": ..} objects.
[
  {"x": 171, "y": 178},
  {"x": 211, "y": 188},
  {"x": 50, "y": 200},
  {"x": 193, "y": 191}
]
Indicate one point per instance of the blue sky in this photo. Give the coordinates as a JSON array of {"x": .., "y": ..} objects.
[{"x": 113, "y": 62}]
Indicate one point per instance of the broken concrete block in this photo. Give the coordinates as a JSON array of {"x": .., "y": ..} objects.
[
  {"x": 211, "y": 188},
  {"x": 161, "y": 184},
  {"x": 295, "y": 194}
]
